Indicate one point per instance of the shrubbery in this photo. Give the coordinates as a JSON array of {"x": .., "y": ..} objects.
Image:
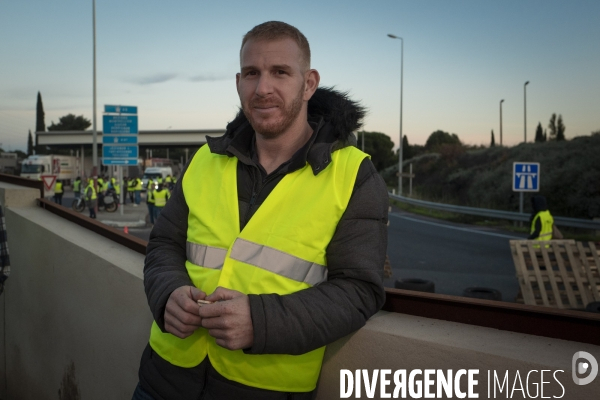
[{"x": 569, "y": 176}]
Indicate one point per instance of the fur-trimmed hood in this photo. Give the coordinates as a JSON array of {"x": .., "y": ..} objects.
[{"x": 336, "y": 108}]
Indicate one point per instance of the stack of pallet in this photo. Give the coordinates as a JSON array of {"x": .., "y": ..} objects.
[{"x": 557, "y": 273}]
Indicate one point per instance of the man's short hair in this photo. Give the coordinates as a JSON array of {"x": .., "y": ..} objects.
[{"x": 273, "y": 30}]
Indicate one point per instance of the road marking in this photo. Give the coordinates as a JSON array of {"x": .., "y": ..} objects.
[{"x": 456, "y": 227}]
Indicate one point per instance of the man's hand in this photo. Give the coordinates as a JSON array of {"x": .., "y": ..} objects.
[
  {"x": 181, "y": 312},
  {"x": 228, "y": 320}
]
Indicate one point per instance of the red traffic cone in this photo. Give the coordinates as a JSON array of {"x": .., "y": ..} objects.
[{"x": 126, "y": 230}]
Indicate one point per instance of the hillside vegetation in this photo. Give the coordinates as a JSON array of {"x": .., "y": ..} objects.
[{"x": 569, "y": 176}]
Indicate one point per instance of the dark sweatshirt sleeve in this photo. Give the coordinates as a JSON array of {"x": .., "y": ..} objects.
[
  {"x": 314, "y": 317},
  {"x": 164, "y": 267},
  {"x": 537, "y": 229}
]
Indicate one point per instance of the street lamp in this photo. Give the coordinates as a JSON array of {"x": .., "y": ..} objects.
[
  {"x": 525, "y": 108},
  {"x": 501, "y": 101},
  {"x": 401, "y": 86}
]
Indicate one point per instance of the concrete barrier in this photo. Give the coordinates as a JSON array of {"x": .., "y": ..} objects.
[{"x": 75, "y": 319}]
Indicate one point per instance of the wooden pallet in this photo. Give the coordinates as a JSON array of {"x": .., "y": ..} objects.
[{"x": 557, "y": 273}]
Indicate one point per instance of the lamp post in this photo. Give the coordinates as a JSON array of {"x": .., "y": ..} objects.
[
  {"x": 94, "y": 131},
  {"x": 525, "y": 109},
  {"x": 501, "y": 101},
  {"x": 401, "y": 86}
]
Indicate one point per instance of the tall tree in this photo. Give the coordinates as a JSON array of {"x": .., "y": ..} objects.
[
  {"x": 552, "y": 127},
  {"x": 539, "y": 134},
  {"x": 406, "y": 149},
  {"x": 438, "y": 138},
  {"x": 70, "y": 123},
  {"x": 560, "y": 129},
  {"x": 29, "y": 144},
  {"x": 379, "y": 146},
  {"x": 40, "y": 125},
  {"x": 493, "y": 141}
]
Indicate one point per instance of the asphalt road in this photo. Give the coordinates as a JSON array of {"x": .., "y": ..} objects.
[{"x": 453, "y": 256}]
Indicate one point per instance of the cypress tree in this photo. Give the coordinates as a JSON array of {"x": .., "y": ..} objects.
[
  {"x": 560, "y": 129},
  {"x": 29, "y": 144},
  {"x": 493, "y": 142},
  {"x": 40, "y": 125},
  {"x": 539, "y": 134}
]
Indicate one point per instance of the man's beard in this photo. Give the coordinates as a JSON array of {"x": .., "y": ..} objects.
[{"x": 272, "y": 129}]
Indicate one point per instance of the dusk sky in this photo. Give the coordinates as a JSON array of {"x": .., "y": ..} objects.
[{"x": 176, "y": 60}]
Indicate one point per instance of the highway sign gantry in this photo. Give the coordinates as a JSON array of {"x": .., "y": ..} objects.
[
  {"x": 120, "y": 109},
  {"x": 119, "y": 124},
  {"x": 120, "y": 135},
  {"x": 119, "y": 139},
  {"x": 526, "y": 177},
  {"x": 122, "y": 152}
]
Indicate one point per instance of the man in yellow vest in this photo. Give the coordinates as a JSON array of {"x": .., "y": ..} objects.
[
  {"x": 131, "y": 183},
  {"x": 541, "y": 220},
  {"x": 90, "y": 197},
  {"x": 160, "y": 196},
  {"x": 58, "y": 192},
  {"x": 150, "y": 204},
  {"x": 273, "y": 242},
  {"x": 137, "y": 190},
  {"x": 77, "y": 187}
]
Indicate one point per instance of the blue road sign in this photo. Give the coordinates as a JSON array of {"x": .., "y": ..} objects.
[
  {"x": 110, "y": 161},
  {"x": 119, "y": 139},
  {"x": 119, "y": 151},
  {"x": 526, "y": 177},
  {"x": 116, "y": 124},
  {"x": 120, "y": 109}
]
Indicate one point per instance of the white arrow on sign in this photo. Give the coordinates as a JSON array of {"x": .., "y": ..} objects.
[{"x": 48, "y": 181}]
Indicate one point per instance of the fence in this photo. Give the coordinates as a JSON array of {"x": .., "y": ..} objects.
[{"x": 488, "y": 213}]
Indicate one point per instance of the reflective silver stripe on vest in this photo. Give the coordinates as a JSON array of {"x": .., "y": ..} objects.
[
  {"x": 278, "y": 262},
  {"x": 205, "y": 256}
]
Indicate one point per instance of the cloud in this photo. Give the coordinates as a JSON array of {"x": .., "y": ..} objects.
[
  {"x": 151, "y": 79},
  {"x": 209, "y": 78}
]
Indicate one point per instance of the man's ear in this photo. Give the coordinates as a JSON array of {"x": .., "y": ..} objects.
[
  {"x": 237, "y": 82},
  {"x": 311, "y": 79}
]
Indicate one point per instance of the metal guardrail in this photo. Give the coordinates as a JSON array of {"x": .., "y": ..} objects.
[{"x": 486, "y": 212}]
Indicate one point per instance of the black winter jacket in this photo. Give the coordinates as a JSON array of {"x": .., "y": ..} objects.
[{"x": 305, "y": 320}]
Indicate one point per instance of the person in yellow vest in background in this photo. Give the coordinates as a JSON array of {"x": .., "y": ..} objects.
[
  {"x": 541, "y": 221},
  {"x": 272, "y": 244},
  {"x": 77, "y": 187},
  {"x": 150, "y": 203},
  {"x": 160, "y": 196},
  {"x": 169, "y": 183},
  {"x": 137, "y": 190},
  {"x": 116, "y": 186},
  {"x": 58, "y": 192},
  {"x": 90, "y": 197},
  {"x": 131, "y": 189}
]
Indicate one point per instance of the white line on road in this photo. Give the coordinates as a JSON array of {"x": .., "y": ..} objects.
[{"x": 455, "y": 227}]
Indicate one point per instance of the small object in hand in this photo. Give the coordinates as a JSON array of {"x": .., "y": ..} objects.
[{"x": 203, "y": 302}]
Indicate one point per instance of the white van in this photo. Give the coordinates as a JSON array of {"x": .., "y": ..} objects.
[{"x": 151, "y": 174}]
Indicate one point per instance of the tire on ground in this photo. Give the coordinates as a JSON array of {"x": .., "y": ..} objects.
[
  {"x": 419, "y": 285},
  {"x": 482, "y": 293},
  {"x": 593, "y": 307}
]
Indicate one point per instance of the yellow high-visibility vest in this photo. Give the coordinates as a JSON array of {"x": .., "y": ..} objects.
[
  {"x": 90, "y": 186},
  {"x": 138, "y": 184},
  {"x": 160, "y": 197},
  {"x": 76, "y": 186},
  {"x": 281, "y": 250},
  {"x": 58, "y": 187},
  {"x": 116, "y": 186},
  {"x": 547, "y": 222}
]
